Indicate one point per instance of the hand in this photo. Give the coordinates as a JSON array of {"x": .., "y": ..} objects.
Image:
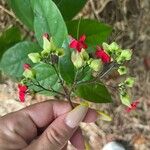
[{"x": 44, "y": 126}]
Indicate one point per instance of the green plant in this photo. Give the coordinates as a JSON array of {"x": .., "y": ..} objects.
[{"x": 58, "y": 64}]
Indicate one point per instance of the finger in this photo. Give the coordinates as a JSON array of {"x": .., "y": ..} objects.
[
  {"x": 77, "y": 139},
  {"x": 36, "y": 117},
  {"x": 91, "y": 116},
  {"x": 60, "y": 130},
  {"x": 33, "y": 118},
  {"x": 65, "y": 147}
]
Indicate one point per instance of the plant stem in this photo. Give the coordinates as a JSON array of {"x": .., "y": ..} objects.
[
  {"x": 67, "y": 95},
  {"x": 50, "y": 90},
  {"x": 99, "y": 76}
]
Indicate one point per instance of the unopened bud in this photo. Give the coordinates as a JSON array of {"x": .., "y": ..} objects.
[
  {"x": 84, "y": 55},
  {"x": 122, "y": 70},
  {"x": 76, "y": 59},
  {"x": 29, "y": 74},
  {"x": 46, "y": 44},
  {"x": 26, "y": 66},
  {"x": 96, "y": 64},
  {"x": 125, "y": 99},
  {"x": 60, "y": 51},
  {"x": 129, "y": 82},
  {"x": 46, "y": 35}
]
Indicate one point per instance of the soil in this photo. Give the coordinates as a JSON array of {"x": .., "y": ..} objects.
[{"x": 131, "y": 23}]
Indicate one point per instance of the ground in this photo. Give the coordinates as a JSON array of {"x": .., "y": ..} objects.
[{"x": 131, "y": 23}]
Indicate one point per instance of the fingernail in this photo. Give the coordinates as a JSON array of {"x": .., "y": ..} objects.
[{"x": 75, "y": 116}]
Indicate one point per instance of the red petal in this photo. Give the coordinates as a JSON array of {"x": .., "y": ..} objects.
[
  {"x": 84, "y": 46},
  {"x": 22, "y": 96},
  {"x": 134, "y": 104},
  {"x": 26, "y": 66},
  {"x": 22, "y": 88},
  {"x": 100, "y": 53},
  {"x": 74, "y": 44},
  {"x": 82, "y": 38},
  {"x": 128, "y": 109}
]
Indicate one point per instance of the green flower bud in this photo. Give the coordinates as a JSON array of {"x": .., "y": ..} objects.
[
  {"x": 35, "y": 57},
  {"x": 76, "y": 59},
  {"x": 106, "y": 47},
  {"x": 122, "y": 70},
  {"x": 84, "y": 55},
  {"x": 45, "y": 53},
  {"x": 114, "y": 46},
  {"x": 125, "y": 99},
  {"x": 29, "y": 74},
  {"x": 96, "y": 64},
  {"x": 46, "y": 44},
  {"x": 125, "y": 55},
  {"x": 129, "y": 82},
  {"x": 53, "y": 46},
  {"x": 23, "y": 81},
  {"x": 60, "y": 51}
]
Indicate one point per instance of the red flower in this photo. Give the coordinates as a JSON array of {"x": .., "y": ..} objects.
[
  {"x": 78, "y": 44},
  {"x": 133, "y": 106},
  {"x": 100, "y": 53},
  {"x": 22, "y": 92},
  {"x": 26, "y": 66}
]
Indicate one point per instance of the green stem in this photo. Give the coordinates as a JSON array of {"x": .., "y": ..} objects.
[
  {"x": 99, "y": 76},
  {"x": 50, "y": 90},
  {"x": 64, "y": 88}
]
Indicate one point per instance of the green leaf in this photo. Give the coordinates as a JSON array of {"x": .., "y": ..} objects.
[
  {"x": 13, "y": 59},
  {"x": 93, "y": 92},
  {"x": 47, "y": 77},
  {"x": 96, "y": 32},
  {"x": 66, "y": 67},
  {"x": 23, "y": 10},
  {"x": 8, "y": 38},
  {"x": 48, "y": 19},
  {"x": 69, "y": 8}
]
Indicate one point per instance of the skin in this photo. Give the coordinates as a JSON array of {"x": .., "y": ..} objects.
[{"x": 41, "y": 127}]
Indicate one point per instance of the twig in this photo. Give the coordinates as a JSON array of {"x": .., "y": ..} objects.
[
  {"x": 10, "y": 14},
  {"x": 99, "y": 76},
  {"x": 64, "y": 88},
  {"x": 50, "y": 90}
]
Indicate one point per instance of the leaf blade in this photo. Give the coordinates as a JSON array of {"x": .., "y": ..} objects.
[
  {"x": 48, "y": 19},
  {"x": 13, "y": 59},
  {"x": 69, "y": 8},
  {"x": 93, "y": 92},
  {"x": 8, "y": 38},
  {"x": 48, "y": 79},
  {"x": 96, "y": 32}
]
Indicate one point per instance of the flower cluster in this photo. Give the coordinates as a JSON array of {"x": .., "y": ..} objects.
[
  {"x": 49, "y": 48},
  {"x": 108, "y": 53},
  {"x": 103, "y": 56}
]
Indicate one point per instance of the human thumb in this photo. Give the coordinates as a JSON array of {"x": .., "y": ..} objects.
[{"x": 56, "y": 136}]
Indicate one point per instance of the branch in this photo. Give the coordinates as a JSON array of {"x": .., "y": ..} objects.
[
  {"x": 50, "y": 90},
  {"x": 64, "y": 88}
]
